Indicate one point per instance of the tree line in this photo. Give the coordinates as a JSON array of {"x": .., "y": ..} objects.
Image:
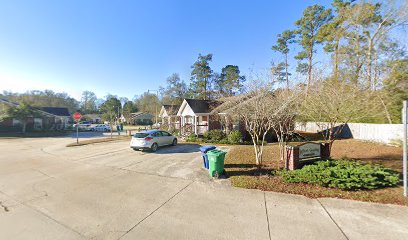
[
  {"x": 204, "y": 83},
  {"x": 360, "y": 37}
]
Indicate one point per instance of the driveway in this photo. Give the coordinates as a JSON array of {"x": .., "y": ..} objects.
[{"x": 108, "y": 191}]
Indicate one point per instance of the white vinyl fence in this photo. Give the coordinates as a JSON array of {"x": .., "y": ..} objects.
[{"x": 385, "y": 133}]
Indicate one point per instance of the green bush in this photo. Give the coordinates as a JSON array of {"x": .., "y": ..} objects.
[
  {"x": 235, "y": 137},
  {"x": 223, "y": 141},
  {"x": 192, "y": 137},
  {"x": 214, "y": 135},
  {"x": 175, "y": 132},
  {"x": 343, "y": 174}
]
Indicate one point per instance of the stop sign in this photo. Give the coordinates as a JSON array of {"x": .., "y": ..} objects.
[{"x": 77, "y": 116}]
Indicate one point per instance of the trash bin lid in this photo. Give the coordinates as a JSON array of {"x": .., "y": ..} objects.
[
  {"x": 216, "y": 152},
  {"x": 205, "y": 149}
]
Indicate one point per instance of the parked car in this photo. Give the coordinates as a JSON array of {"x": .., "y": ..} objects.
[
  {"x": 82, "y": 124},
  {"x": 152, "y": 140},
  {"x": 100, "y": 128}
]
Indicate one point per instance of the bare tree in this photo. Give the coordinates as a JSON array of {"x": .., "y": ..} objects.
[
  {"x": 333, "y": 104},
  {"x": 261, "y": 109},
  {"x": 373, "y": 21},
  {"x": 284, "y": 121}
]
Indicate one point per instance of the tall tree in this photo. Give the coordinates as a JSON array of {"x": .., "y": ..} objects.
[
  {"x": 46, "y": 98},
  {"x": 229, "y": 82},
  {"x": 88, "y": 102},
  {"x": 175, "y": 90},
  {"x": 334, "y": 31},
  {"x": 128, "y": 108},
  {"x": 373, "y": 21},
  {"x": 284, "y": 40},
  {"x": 396, "y": 89},
  {"x": 201, "y": 76},
  {"x": 314, "y": 17},
  {"x": 110, "y": 110},
  {"x": 148, "y": 103},
  {"x": 22, "y": 112},
  {"x": 280, "y": 73}
]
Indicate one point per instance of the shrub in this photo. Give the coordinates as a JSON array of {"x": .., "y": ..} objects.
[
  {"x": 214, "y": 135},
  {"x": 235, "y": 137},
  {"x": 343, "y": 174},
  {"x": 223, "y": 141},
  {"x": 175, "y": 132},
  {"x": 192, "y": 137}
]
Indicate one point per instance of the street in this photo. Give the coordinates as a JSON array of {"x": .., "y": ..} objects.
[{"x": 109, "y": 191}]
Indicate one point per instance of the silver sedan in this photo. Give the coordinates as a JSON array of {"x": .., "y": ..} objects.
[{"x": 152, "y": 140}]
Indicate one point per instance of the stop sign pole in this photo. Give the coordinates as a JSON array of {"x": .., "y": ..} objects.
[
  {"x": 77, "y": 116},
  {"x": 404, "y": 147}
]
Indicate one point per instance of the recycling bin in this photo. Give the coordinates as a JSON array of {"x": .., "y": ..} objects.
[
  {"x": 204, "y": 150},
  {"x": 216, "y": 162}
]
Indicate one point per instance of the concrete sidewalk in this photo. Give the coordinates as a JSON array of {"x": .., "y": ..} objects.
[{"x": 107, "y": 191}]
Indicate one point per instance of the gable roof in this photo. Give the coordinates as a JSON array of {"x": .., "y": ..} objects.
[
  {"x": 57, "y": 111},
  {"x": 199, "y": 106},
  {"x": 171, "y": 109},
  {"x": 48, "y": 111},
  {"x": 5, "y": 101}
]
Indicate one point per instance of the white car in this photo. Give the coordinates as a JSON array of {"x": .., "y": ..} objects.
[
  {"x": 101, "y": 128},
  {"x": 152, "y": 140},
  {"x": 82, "y": 124}
]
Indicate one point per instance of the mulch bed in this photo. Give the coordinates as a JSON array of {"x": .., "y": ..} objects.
[{"x": 240, "y": 168}]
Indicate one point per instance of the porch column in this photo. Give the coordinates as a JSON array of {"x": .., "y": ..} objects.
[
  {"x": 195, "y": 124},
  {"x": 181, "y": 124}
]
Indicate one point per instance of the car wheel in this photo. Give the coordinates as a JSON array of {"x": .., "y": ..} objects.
[
  {"x": 174, "y": 142},
  {"x": 154, "y": 147},
  {"x": 135, "y": 149}
]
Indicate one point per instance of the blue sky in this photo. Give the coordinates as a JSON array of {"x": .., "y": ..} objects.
[{"x": 127, "y": 47}]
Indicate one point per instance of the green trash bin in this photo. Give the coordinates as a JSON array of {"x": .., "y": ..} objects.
[{"x": 216, "y": 162}]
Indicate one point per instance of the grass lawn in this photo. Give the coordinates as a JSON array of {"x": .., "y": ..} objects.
[{"x": 241, "y": 169}]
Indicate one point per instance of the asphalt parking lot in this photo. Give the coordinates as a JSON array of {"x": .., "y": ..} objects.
[{"x": 109, "y": 191}]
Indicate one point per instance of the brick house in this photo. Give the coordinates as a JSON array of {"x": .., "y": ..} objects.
[{"x": 48, "y": 118}]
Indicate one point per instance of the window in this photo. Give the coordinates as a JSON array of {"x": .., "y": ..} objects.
[
  {"x": 157, "y": 134},
  {"x": 141, "y": 135},
  {"x": 166, "y": 134},
  {"x": 37, "y": 123},
  {"x": 16, "y": 122},
  {"x": 204, "y": 118}
]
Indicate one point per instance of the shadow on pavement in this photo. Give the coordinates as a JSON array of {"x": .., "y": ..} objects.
[{"x": 179, "y": 148}]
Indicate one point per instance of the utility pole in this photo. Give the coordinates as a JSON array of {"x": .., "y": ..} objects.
[
  {"x": 404, "y": 147},
  {"x": 157, "y": 95}
]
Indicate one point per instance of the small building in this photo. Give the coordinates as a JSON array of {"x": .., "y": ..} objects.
[
  {"x": 141, "y": 118},
  {"x": 93, "y": 118},
  {"x": 58, "y": 118},
  {"x": 169, "y": 118},
  {"x": 195, "y": 116},
  {"x": 47, "y": 118}
]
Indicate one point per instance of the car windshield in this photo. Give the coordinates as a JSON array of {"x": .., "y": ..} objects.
[{"x": 140, "y": 135}]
